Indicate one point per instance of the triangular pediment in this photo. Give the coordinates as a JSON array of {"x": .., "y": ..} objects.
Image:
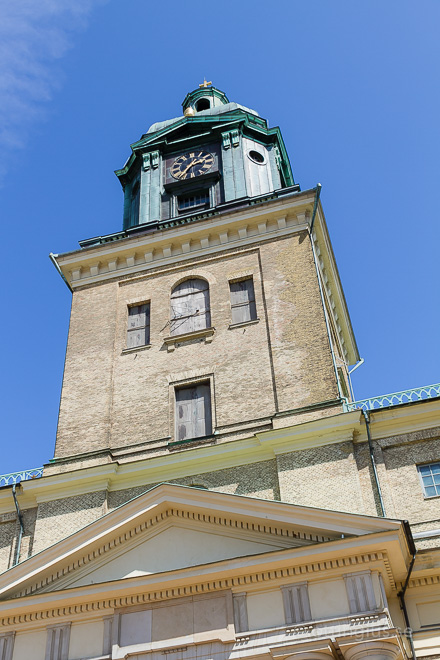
[
  {"x": 190, "y": 127},
  {"x": 176, "y": 545},
  {"x": 171, "y": 528}
]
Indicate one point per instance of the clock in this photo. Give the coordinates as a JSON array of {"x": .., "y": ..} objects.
[{"x": 192, "y": 164}]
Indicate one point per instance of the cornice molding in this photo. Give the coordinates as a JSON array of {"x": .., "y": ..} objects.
[
  {"x": 402, "y": 420},
  {"x": 195, "y": 588},
  {"x": 178, "y": 514},
  {"x": 114, "y": 476},
  {"x": 262, "y": 446},
  {"x": 425, "y": 581},
  {"x": 160, "y": 248}
]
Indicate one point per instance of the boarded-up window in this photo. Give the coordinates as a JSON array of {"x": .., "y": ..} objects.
[
  {"x": 193, "y": 411},
  {"x": 243, "y": 301},
  {"x": 190, "y": 307},
  {"x": 138, "y": 327}
]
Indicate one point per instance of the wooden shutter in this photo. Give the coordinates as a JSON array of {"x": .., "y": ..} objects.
[
  {"x": 138, "y": 326},
  {"x": 190, "y": 307},
  {"x": 193, "y": 412},
  {"x": 243, "y": 301}
]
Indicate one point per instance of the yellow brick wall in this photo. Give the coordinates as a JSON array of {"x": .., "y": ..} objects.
[
  {"x": 113, "y": 398},
  {"x": 334, "y": 476},
  {"x": 324, "y": 477},
  {"x": 59, "y": 518},
  {"x": 9, "y": 532},
  {"x": 256, "y": 480},
  {"x": 401, "y": 457}
]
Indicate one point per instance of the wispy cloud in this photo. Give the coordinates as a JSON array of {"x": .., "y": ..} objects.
[{"x": 34, "y": 34}]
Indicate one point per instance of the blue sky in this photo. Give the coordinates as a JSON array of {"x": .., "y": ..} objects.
[{"x": 354, "y": 87}]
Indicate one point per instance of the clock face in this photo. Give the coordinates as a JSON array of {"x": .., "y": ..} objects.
[{"x": 192, "y": 164}]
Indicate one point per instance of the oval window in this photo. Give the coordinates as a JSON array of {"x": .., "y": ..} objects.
[{"x": 257, "y": 157}]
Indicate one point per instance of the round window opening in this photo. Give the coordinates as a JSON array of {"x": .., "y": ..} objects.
[{"x": 256, "y": 157}]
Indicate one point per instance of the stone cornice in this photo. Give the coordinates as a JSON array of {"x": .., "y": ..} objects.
[
  {"x": 243, "y": 514},
  {"x": 423, "y": 581},
  {"x": 332, "y": 285},
  {"x": 144, "y": 251},
  {"x": 193, "y": 460},
  {"x": 79, "y": 601},
  {"x": 173, "y": 515},
  {"x": 113, "y": 476},
  {"x": 402, "y": 420}
]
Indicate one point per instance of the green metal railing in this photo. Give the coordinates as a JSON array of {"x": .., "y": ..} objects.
[
  {"x": 395, "y": 399},
  {"x": 15, "y": 477}
]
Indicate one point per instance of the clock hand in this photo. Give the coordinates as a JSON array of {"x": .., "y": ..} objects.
[
  {"x": 192, "y": 163},
  {"x": 195, "y": 162},
  {"x": 187, "y": 168}
]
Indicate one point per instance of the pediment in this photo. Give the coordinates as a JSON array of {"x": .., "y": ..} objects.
[
  {"x": 175, "y": 546},
  {"x": 182, "y": 127},
  {"x": 171, "y": 528}
]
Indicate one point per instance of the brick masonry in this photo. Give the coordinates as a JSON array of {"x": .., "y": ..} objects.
[
  {"x": 9, "y": 532},
  {"x": 324, "y": 477},
  {"x": 335, "y": 476},
  {"x": 60, "y": 518},
  {"x": 256, "y": 480},
  {"x": 113, "y": 399}
]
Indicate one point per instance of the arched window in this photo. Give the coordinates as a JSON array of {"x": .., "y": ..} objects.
[
  {"x": 203, "y": 104},
  {"x": 190, "y": 307}
]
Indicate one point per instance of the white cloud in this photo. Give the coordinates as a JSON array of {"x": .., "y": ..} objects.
[{"x": 34, "y": 34}]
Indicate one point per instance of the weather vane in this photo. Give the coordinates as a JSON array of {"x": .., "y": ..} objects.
[{"x": 205, "y": 83}]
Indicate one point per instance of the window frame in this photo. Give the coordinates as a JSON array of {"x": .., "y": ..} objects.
[
  {"x": 128, "y": 330},
  {"x": 207, "y": 410},
  {"x": 250, "y": 304},
  {"x": 193, "y": 379},
  {"x": 195, "y": 207},
  {"x": 436, "y": 486},
  {"x": 206, "y": 312},
  {"x": 208, "y": 185}
]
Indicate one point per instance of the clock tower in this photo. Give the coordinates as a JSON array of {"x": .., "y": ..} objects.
[
  {"x": 215, "y": 314},
  {"x": 214, "y": 493},
  {"x": 214, "y": 155}
]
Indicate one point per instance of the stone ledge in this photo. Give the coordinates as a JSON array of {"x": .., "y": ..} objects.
[{"x": 174, "y": 340}]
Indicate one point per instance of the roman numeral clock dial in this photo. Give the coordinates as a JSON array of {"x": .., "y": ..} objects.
[{"x": 188, "y": 166}]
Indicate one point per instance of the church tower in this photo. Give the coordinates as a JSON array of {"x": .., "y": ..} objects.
[
  {"x": 217, "y": 312},
  {"x": 215, "y": 494}
]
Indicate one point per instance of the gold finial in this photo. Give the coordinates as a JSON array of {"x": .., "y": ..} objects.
[{"x": 205, "y": 83}]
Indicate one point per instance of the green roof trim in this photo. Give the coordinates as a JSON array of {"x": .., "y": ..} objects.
[
  {"x": 247, "y": 122},
  {"x": 203, "y": 92}
]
